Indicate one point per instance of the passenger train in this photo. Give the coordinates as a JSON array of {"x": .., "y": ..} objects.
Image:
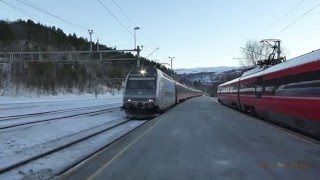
[
  {"x": 287, "y": 93},
  {"x": 149, "y": 91}
]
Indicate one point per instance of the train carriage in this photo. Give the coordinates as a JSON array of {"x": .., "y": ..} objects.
[{"x": 287, "y": 93}]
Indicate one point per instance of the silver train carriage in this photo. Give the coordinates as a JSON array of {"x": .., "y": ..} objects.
[{"x": 149, "y": 91}]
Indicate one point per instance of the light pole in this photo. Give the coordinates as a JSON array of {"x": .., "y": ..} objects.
[
  {"x": 171, "y": 58},
  {"x": 90, "y": 33},
  {"x": 134, "y": 35}
]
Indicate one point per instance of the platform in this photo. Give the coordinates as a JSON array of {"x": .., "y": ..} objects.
[{"x": 201, "y": 139}]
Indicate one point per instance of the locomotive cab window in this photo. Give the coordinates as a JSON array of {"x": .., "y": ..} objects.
[{"x": 141, "y": 83}]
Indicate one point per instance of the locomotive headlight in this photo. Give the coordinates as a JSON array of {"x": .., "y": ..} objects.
[
  {"x": 143, "y": 72},
  {"x": 129, "y": 100},
  {"x": 150, "y": 100}
]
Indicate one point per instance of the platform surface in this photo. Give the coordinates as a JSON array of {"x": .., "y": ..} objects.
[{"x": 201, "y": 139}]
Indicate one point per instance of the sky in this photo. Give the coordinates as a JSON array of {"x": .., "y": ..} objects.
[{"x": 206, "y": 33}]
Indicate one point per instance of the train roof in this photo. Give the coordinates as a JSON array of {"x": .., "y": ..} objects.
[
  {"x": 230, "y": 82},
  {"x": 255, "y": 70},
  {"x": 297, "y": 61},
  {"x": 143, "y": 71},
  {"x": 261, "y": 70},
  {"x": 152, "y": 71}
]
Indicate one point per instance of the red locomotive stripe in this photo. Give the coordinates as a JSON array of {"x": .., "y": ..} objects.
[
  {"x": 298, "y": 107},
  {"x": 305, "y": 108}
]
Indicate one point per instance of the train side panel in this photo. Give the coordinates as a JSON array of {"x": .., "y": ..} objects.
[
  {"x": 166, "y": 92},
  {"x": 228, "y": 93}
]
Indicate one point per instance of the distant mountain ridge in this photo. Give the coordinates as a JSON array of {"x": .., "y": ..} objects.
[
  {"x": 211, "y": 75},
  {"x": 197, "y": 70}
]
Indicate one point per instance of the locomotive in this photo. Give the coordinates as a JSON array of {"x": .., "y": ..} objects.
[
  {"x": 287, "y": 94},
  {"x": 149, "y": 91}
]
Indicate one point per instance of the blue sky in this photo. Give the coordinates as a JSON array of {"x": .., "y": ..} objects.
[{"x": 203, "y": 33}]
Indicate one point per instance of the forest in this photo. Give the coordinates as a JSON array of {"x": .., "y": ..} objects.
[{"x": 17, "y": 79}]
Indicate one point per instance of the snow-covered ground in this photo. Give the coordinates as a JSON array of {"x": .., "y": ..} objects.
[
  {"x": 24, "y": 142},
  {"x": 57, "y": 162},
  {"x": 10, "y": 106},
  {"x": 59, "y": 97}
]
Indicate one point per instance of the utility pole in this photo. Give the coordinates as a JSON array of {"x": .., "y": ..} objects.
[
  {"x": 278, "y": 48},
  {"x": 171, "y": 58},
  {"x": 98, "y": 45},
  {"x": 90, "y": 33},
  {"x": 138, "y": 56}
]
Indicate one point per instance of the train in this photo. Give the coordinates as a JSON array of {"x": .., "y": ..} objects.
[
  {"x": 149, "y": 91},
  {"x": 286, "y": 94}
]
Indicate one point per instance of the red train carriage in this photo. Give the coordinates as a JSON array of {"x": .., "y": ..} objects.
[
  {"x": 228, "y": 93},
  {"x": 287, "y": 93}
]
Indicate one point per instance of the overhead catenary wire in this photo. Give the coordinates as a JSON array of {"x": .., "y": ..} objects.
[
  {"x": 34, "y": 17},
  {"x": 293, "y": 22},
  {"x": 20, "y": 10},
  {"x": 131, "y": 21},
  {"x": 124, "y": 12},
  {"x": 28, "y": 14},
  {"x": 253, "y": 52},
  {"x": 115, "y": 18},
  {"x": 32, "y": 5},
  {"x": 285, "y": 15}
]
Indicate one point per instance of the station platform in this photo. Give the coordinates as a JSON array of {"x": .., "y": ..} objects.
[{"x": 202, "y": 139}]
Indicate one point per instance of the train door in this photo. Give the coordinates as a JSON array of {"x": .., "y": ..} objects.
[
  {"x": 258, "y": 88},
  {"x": 238, "y": 95}
]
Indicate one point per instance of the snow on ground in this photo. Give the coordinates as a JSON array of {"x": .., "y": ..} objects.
[
  {"x": 10, "y": 106},
  {"x": 20, "y": 143},
  {"x": 49, "y": 166},
  {"x": 28, "y": 138},
  {"x": 59, "y": 97}
]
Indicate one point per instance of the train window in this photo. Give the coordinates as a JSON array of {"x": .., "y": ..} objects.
[
  {"x": 259, "y": 87},
  {"x": 247, "y": 88},
  {"x": 141, "y": 83},
  {"x": 306, "y": 84}
]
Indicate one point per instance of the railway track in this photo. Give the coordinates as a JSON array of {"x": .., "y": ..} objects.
[
  {"x": 44, "y": 113},
  {"x": 44, "y": 150},
  {"x": 21, "y": 120}
]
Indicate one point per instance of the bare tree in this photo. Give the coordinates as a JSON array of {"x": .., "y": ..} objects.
[{"x": 252, "y": 52}]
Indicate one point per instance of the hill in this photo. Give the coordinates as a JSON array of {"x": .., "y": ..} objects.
[
  {"x": 57, "y": 77},
  {"x": 208, "y": 79},
  {"x": 205, "y": 70}
]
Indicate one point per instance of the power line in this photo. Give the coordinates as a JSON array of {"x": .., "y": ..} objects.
[
  {"x": 297, "y": 19},
  {"x": 253, "y": 51},
  {"x": 20, "y": 10},
  {"x": 30, "y": 15},
  {"x": 32, "y": 5},
  {"x": 116, "y": 18},
  {"x": 285, "y": 15},
  {"x": 124, "y": 12},
  {"x": 131, "y": 21}
]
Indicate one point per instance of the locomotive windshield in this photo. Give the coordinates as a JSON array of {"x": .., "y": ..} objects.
[{"x": 141, "y": 83}]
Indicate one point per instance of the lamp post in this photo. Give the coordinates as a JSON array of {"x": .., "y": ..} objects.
[
  {"x": 171, "y": 58},
  {"x": 134, "y": 35},
  {"x": 90, "y": 33}
]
